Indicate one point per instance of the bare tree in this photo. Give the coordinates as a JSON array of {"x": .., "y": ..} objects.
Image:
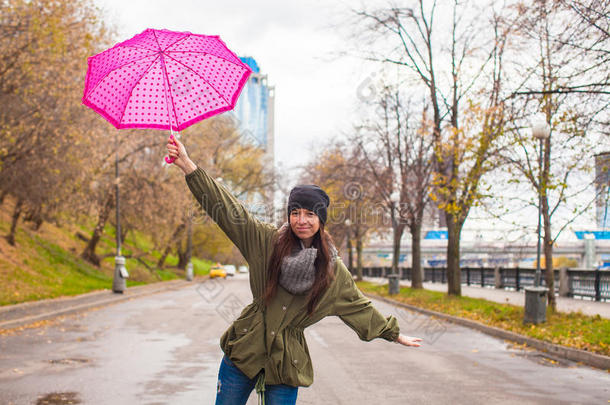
[
  {"x": 338, "y": 169},
  {"x": 41, "y": 122},
  {"x": 463, "y": 153},
  {"x": 566, "y": 80},
  {"x": 398, "y": 150}
]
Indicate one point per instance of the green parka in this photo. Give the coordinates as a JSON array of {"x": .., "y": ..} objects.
[{"x": 271, "y": 338}]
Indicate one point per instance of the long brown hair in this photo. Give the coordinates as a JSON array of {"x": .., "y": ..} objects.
[{"x": 285, "y": 240}]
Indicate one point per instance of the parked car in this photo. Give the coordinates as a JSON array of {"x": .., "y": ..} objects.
[
  {"x": 218, "y": 271},
  {"x": 243, "y": 269},
  {"x": 230, "y": 269}
]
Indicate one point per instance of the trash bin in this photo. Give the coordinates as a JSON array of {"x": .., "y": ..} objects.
[
  {"x": 393, "y": 284},
  {"x": 189, "y": 271},
  {"x": 120, "y": 274},
  {"x": 535, "y": 305}
]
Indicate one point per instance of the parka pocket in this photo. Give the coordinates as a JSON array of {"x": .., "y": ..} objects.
[
  {"x": 244, "y": 341},
  {"x": 244, "y": 325},
  {"x": 297, "y": 355}
]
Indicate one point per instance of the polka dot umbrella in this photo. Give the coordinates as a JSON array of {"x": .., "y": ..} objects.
[{"x": 164, "y": 80}]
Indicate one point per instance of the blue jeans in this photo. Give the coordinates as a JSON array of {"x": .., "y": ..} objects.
[{"x": 234, "y": 388}]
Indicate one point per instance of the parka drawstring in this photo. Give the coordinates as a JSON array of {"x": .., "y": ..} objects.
[{"x": 260, "y": 388}]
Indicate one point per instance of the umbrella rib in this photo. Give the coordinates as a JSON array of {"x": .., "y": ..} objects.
[
  {"x": 136, "y": 85},
  {"x": 181, "y": 39},
  {"x": 206, "y": 53},
  {"x": 206, "y": 80},
  {"x": 118, "y": 67},
  {"x": 139, "y": 47},
  {"x": 171, "y": 98},
  {"x": 169, "y": 88}
]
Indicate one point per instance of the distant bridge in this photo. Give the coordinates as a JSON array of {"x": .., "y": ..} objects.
[{"x": 379, "y": 253}]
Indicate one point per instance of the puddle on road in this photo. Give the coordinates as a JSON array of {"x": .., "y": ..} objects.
[
  {"x": 539, "y": 357},
  {"x": 59, "y": 398},
  {"x": 69, "y": 361},
  {"x": 188, "y": 378}
]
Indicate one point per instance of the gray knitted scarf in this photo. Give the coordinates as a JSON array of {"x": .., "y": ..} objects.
[{"x": 298, "y": 271}]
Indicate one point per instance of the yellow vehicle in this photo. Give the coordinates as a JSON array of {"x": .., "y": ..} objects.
[{"x": 218, "y": 271}]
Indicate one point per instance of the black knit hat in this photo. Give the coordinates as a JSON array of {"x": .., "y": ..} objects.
[{"x": 310, "y": 197}]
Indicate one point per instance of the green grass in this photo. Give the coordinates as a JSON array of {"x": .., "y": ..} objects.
[
  {"x": 47, "y": 264},
  {"x": 171, "y": 260},
  {"x": 166, "y": 275},
  {"x": 49, "y": 271},
  {"x": 140, "y": 241},
  {"x": 201, "y": 267},
  {"x": 575, "y": 330}
]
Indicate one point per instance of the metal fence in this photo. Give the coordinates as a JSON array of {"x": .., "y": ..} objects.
[{"x": 577, "y": 283}]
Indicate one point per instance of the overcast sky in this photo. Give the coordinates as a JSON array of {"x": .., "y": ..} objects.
[{"x": 294, "y": 44}]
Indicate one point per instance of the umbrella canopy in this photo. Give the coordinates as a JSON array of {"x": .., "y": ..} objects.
[{"x": 164, "y": 80}]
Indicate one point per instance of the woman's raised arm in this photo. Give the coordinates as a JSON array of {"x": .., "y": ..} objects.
[{"x": 245, "y": 231}]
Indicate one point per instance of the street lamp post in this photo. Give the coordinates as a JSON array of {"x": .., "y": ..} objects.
[
  {"x": 540, "y": 131},
  {"x": 120, "y": 272},
  {"x": 535, "y": 297},
  {"x": 393, "y": 279}
]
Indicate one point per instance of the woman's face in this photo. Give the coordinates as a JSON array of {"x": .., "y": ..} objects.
[{"x": 304, "y": 224}]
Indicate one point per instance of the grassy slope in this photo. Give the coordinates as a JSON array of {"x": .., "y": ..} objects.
[
  {"x": 568, "y": 329},
  {"x": 46, "y": 263}
]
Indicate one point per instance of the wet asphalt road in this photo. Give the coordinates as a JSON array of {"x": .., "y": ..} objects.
[{"x": 163, "y": 349}]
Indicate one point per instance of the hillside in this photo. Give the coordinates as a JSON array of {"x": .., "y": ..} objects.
[{"x": 46, "y": 263}]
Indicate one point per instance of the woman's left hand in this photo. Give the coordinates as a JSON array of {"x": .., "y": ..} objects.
[{"x": 408, "y": 340}]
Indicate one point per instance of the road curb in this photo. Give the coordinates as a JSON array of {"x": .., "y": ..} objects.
[
  {"x": 581, "y": 356},
  {"x": 95, "y": 299}
]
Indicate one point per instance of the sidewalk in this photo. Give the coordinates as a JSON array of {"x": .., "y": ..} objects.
[
  {"x": 513, "y": 297},
  {"x": 14, "y": 316}
]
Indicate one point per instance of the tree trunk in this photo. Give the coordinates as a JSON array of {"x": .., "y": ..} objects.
[
  {"x": 548, "y": 257},
  {"x": 182, "y": 257},
  {"x": 454, "y": 282},
  {"x": 2, "y": 196},
  {"x": 359, "y": 258},
  {"x": 189, "y": 241},
  {"x": 89, "y": 252},
  {"x": 548, "y": 237},
  {"x": 350, "y": 255},
  {"x": 398, "y": 231},
  {"x": 16, "y": 214},
  {"x": 176, "y": 233},
  {"x": 124, "y": 230},
  {"x": 34, "y": 216},
  {"x": 37, "y": 223},
  {"x": 417, "y": 276}
]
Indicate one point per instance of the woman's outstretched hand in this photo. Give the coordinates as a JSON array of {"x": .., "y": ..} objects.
[
  {"x": 175, "y": 149},
  {"x": 408, "y": 340}
]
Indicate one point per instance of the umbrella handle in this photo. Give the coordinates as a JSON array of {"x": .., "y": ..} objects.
[{"x": 170, "y": 160}]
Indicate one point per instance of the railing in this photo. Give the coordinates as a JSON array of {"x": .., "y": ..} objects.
[{"x": 578, "y": 283}]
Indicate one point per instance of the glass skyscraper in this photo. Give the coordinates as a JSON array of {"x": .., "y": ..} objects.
[
  {"x": 255, "y": 108},
  {"x": 254, "y": 117}
]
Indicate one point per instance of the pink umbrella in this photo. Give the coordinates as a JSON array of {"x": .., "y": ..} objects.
[{"x": 164, "y": 80}]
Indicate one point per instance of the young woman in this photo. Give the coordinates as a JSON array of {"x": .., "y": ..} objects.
[{"x": 296, "y": 279}]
